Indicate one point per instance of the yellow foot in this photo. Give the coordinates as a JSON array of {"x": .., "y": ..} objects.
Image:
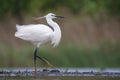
[{"x": 48, "y": 64}]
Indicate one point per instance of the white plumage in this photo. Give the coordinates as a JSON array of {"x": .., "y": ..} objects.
[{"x": 39, "y": 34}]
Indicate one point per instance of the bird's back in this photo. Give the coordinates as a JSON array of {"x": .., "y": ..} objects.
[{"x": 34, "y": 33}]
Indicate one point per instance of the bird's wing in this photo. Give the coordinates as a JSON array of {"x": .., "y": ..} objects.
[
  {"x": 33, "y": 33},
  {"x": 18, "y": 27}
]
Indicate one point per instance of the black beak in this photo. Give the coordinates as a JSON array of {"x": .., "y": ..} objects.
[{"x": 59, "y": 16}]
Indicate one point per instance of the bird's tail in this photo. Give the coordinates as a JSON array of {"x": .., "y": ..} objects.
[
  {"x": 17, "y": 26},
  {"x": 17, "y": 33}
]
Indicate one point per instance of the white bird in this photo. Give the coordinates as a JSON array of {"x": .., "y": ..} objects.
[{"x": 39, "y": 34}]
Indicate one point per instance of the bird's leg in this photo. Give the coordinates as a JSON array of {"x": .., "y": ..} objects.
[
  {"x": 35, "y": 57},
  {"x": 42, "y": 59},
  {"x": 45, "y": 61}
]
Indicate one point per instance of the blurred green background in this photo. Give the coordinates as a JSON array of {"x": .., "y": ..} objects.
[{"x": 90, "y": 33}]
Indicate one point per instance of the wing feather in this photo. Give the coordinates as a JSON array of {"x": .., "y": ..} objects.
[{"x": 34, "y": 33}]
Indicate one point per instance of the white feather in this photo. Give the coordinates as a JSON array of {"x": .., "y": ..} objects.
[{"x": 39, "y": 34}]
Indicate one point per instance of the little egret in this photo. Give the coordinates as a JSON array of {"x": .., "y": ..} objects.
[{"x": 39, "y": 34}]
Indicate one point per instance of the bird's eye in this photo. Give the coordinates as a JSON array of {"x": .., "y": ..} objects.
[{"x": 52, "y": 15}]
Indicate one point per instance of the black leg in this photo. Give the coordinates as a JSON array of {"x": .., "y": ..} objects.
[
  {"x": 45, "y": 61},
  {"x": 35, "y": 57},
  {"x": 42, "y": 59}
]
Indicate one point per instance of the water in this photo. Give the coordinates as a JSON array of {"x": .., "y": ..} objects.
[
  {"x": 59, "y": 72},
  {"x": 62, "y": 78}
]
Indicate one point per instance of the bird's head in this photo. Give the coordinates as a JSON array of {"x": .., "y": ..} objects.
[
  {"x": 49, "y": 15},
  {"x": 52, "y": 16}
]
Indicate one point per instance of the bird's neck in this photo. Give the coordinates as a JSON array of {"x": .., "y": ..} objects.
[
  {"x": 56, "y": 31},
  {"x": 54, "y": 25}
]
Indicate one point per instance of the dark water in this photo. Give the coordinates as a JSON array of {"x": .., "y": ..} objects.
[
  {"x": 60, "y": 74},
  {"x": 62, "y": 78}
]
